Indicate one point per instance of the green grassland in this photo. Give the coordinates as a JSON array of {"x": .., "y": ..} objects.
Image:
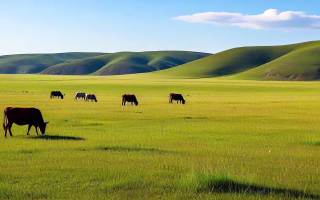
[
  {"x": 288, "y": 62},
  {"x": 35, "y": 63},
  {"x": 233, "y": 139},
  {"x": 125, "y": 63}
]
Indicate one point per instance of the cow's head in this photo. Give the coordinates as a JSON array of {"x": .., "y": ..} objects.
[
  {"x": 136, "y": 103},
  {"x": 96, "y": 100},
  {"x": 62, "y": 96},
  {"x": 183, "y": 101},
  {"x": 43, "y": 126}
]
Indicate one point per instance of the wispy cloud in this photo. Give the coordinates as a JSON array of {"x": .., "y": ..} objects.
[{"x": 270, "y": 19}]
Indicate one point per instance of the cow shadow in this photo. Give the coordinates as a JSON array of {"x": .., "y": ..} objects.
[
  {"x": 55, "y": 137},
  {"x": 128, "y": 149}
]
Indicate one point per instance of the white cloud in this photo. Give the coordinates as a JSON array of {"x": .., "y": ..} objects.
[{"x": 270, "y": 19}]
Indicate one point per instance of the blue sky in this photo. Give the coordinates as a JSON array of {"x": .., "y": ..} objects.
[{"x": 52, "y": 26}]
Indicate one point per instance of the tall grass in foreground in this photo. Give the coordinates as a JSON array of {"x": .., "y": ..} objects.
[{"x": 224, "y": 184}]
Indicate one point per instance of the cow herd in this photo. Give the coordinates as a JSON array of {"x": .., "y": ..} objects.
[
  {"x": 85, "y": 97},
  {"x": 33, "y": 116},
  {"x": 125, "y": 98}
]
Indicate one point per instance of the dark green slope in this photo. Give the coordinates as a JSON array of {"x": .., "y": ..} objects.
[
  {"x": 298, "y": 61},
  {"x": 125, "y": 63},
  {"x": 35, "y": 63}
]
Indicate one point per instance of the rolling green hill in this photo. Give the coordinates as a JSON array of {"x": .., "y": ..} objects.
[
  {"x": 289, "y": 62},
  {"x": 35, "y": 63},
  {"x": 125, "y": 63}
]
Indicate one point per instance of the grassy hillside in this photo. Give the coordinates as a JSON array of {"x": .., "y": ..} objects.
[
  {"x": 233, "y": 139},
  {"x": 125, "y": 63},
  {"x": 35, "y": 63},
  {"x": 302, "y": 63},
  {"x": 289, "y": 62}
]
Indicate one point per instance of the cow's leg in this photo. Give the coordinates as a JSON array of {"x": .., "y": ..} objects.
[
  {"x": 36, "y": 129},
  {"x": 9, "y": 127},
  {"x": 5, "y": 130},
  {"x": 131, "y": 102},
  {"x": 29, "y": 126}
]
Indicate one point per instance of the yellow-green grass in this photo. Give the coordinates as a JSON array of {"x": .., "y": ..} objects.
[{"x": 233, "y": 139}]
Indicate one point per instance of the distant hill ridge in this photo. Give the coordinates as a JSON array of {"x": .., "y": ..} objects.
[
  {"x": 289, "y": 62},
  {"x": 81, "y": 63},
  {"x": 124, "y": 63},
  {"x": 35, "y": 63}
]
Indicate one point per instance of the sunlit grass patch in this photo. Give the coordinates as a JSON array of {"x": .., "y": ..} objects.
[
  {"x": 29, "y": 151},
  {"x": 8, "y": 191}
]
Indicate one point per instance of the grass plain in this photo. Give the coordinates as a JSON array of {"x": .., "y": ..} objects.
[{"x": 233, "y": 139}]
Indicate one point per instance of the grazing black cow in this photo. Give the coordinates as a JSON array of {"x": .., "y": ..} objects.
[
  {"x": 129, "y": 98},
  {"x": 91, "y": 97},
  {"x": 176, "y": 97},
  {"x": 56, "y": 94},
  {"x": 23, "y": 116},
  {"x": 80, "y": 95}
]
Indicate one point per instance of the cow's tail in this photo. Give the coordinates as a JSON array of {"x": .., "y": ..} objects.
[{"x": 4, "y": 120}]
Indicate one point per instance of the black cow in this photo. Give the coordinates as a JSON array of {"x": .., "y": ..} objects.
[
  {"x": 80, "y": 95},
  {"x": 91, "y": 97},
  {"x": 129, "y": 98},
  {"x": 176, "y": 97},
  {"x": 23, "y": 116},
  {"x": 56, "y": 94}
]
